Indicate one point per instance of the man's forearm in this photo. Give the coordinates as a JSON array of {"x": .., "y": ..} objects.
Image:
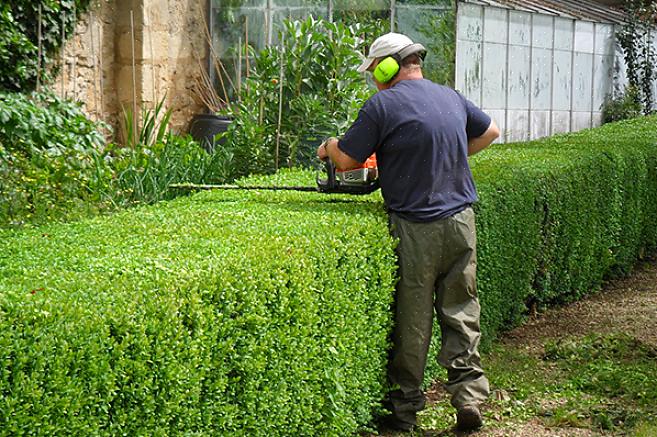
[
  {"x": 480, "y": 143},
  {"x": 339, "y": 158}
]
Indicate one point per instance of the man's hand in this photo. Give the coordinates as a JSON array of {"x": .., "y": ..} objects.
[
  {"x": 322, "y": 150},
  {"x": 329, "y": 150}
]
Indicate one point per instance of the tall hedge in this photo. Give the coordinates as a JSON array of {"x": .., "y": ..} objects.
[
  {"x": 559, "y": 215},
  {"x": 261, "y": 313}
]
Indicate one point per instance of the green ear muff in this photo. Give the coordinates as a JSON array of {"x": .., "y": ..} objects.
[{"x": 386, "y": 70}]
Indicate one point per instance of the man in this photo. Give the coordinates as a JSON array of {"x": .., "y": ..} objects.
[{"x": 422, "y": 134}]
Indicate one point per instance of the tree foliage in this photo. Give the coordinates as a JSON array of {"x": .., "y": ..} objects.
[
  {"x": 636, "y": 38},
  {"x": 20, "y": 63},
  {"x": 311, "y": 79}
]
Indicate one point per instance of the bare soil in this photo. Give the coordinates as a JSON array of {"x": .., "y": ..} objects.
[{"x": 627, "y": 305}]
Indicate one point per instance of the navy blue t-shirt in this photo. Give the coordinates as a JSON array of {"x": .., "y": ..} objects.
[{"x": 419, "y": 131}]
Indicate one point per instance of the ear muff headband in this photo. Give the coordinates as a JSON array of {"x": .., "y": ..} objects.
[{"x": 388, "y": 68}]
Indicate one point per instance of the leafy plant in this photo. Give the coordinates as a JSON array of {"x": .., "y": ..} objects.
[
  {"x": 319, "y": 92},
  {"x": 50, "y": 159},
  {"x": 56, "y": 165},
  {"x": 626, "y": 106},
  {"x": 153, "y": 158},
  {"x": 636, "y": 41}
]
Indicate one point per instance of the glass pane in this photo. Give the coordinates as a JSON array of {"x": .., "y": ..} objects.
[
  {"x": 232, "y": 27},
  {"x": 295, "y": 13},
  {"x": 234, "y": 4},
  {"x": 298, "y": 13},
  {"x": 360, "y": 5},
  {"x": 301, "y": 3},
  {"x": 433, "y": 27},
  {"x": 373, "y": 16},
  {"x": 441, "y": 3}
]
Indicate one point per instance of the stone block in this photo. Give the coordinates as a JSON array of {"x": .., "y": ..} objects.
[
  {"x": 156, "y": 46},
  {"x": 180, "y": 46},
  {"x": 124, "y": 85},
  {"x": 124, "y": 47},
  {"x": 157, "y": 13}
]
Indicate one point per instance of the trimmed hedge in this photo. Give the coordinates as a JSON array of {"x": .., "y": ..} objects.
[
  {"x": 267, "y": 313},
  {"x": 228, "y": 313},
  {"x": 557, "y": 216}
]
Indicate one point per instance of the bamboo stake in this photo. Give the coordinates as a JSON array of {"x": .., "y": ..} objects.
[
  {"x": 93, "y": 59},
  {"x": 218, "y": 65},
  {"x": 134, "y": 80},
  {"x": 246, "y": 44},
  {"x": 246, "y": 50},
  {"x": 238, "y": 67},
  {"x": 63, "y": 50},
  {"x": 156, "y": 97},
  {"x": 261, "y": 109},
  {"x": 39, "y": 38},
  {"x": 100, "y": 65},
  {"x": 204, "y": 90},
  {"x": 280, "y": 99},
  {"x": 75, "y": 58}
]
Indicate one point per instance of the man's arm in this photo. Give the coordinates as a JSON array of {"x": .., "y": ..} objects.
[
  {"x": 329, "y": 149},
  {"x": 481, "y": 142}
]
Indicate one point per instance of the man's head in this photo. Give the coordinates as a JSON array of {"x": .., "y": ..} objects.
[{"x": 391, "y": 54}]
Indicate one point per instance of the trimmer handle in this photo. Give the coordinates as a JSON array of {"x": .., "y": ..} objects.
[{"x": 329, "y": 167}]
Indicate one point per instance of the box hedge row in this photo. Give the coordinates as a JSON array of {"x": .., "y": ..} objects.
[{"x": 267, "y": 313}]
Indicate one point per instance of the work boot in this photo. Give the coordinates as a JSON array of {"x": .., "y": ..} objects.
[
  {"x": 468, "y": 418},
  {"x": 391, "y": 424}
]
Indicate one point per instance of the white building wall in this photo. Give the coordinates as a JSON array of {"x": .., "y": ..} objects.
[{"x": 536, "y": 75}]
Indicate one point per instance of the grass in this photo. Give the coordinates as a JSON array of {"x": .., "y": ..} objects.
[{"x": 604, "y": 383}]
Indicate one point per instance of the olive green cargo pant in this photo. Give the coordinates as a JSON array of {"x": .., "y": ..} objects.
[{"x": 437, "y": 269}]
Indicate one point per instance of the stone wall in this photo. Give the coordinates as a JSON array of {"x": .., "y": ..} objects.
[{"x": 133, "y": 53}]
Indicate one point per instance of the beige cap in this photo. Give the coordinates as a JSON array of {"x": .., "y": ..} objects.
[{"x": 385, "y": 45}]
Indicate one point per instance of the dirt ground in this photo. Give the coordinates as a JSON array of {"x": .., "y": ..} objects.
[
  {"x": 627, "y": 305},
  {"x": 624, "y": 305}
]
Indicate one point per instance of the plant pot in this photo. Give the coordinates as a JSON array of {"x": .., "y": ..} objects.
[{"x": 205, "y": 127}]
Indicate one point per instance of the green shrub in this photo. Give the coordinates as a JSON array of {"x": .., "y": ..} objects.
[
  {"x": 558, "y": 215},
  {"x": 152, "y": 158},
  {"x": 55, "y": 164},
  {"x": 267, "y": 313},
  {"x": 626, "y": 106},
  {"x": 50, "y": 159},
  {"x": 322, "y": 93},
  {"x": 224, "y": 314}
]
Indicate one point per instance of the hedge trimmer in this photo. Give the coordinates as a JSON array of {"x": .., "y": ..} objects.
[{"x": 361, "y": 180}]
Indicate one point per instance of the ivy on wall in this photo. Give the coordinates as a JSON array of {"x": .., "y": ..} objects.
[
  {"x": 636, "y": 38},
  {"x": 27, "y": 49}
]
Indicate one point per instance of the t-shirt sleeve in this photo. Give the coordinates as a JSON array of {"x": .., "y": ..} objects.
[
  {"x": 478, "y": 121},
  {"x": 362, "y": 138}
]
